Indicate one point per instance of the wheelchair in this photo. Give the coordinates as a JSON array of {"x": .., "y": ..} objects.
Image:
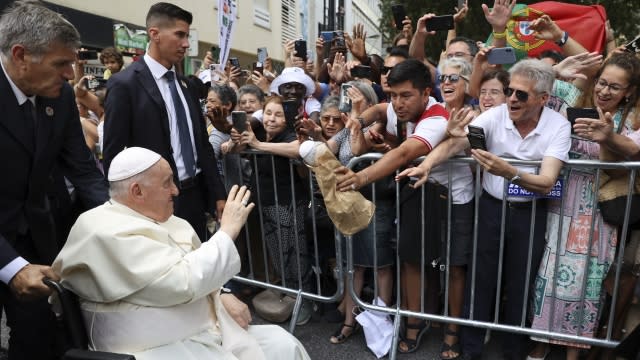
[{"x": 72, "y": 323}]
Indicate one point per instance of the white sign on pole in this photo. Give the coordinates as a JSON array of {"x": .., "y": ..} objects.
[{"x": 193, "y": 42}]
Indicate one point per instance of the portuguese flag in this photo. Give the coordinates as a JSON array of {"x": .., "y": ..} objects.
[{"x": 585, "y": 24}]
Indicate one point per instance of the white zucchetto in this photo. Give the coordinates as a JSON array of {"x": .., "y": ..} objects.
[{"x": 131, "y": 161}]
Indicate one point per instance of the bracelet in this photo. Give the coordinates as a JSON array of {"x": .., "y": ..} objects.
[
  {"x": 361, "y": 121},
  {"x": 563, "y": 39},
  {"x": 500, "y": 35}
]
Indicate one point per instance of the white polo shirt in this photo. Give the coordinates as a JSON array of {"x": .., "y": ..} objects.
[
  {"x": 431, "y": 130},
  {"x": 551, "y": 137}
]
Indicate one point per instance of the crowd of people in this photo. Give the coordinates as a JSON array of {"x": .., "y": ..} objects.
[{"x": 155, "y": 157}]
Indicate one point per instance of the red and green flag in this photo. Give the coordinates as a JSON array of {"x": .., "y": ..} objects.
[{"x": 584, "y": 23}]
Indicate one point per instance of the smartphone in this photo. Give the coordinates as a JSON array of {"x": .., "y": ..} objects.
[
  {"x": 338, "y": 39},
  {"x": 345, "y": 101},
  {"x": 476, "y": 137},
  {"x": 215, "y": 69},
  {"x": 215, "y": 53},
  {"x": 262, "y": 54},
  {"x": 460, "y": 4},
  {"x": 399, "y": 13},
  {"x": 87, "y": 55},
  {"x": 239, "y": 120},
  {"x": 257, "y": 66},
  {"x": 300, "y": 47},
  {"x": 503, "y": 55},
  {"x": 574, "y": 113},
  {"x": 95, "y": 83},
  {"x": 234, "y": 62},
  {"x": 440, "y": 23},
  {"x": 633, "y": 46},
  {"x": 327, "y": 37},
  {"x": 361, "y": 72},
  {"x": 290, "y": 107}
]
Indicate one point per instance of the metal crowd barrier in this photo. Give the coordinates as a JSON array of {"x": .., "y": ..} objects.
[{"x": 395, "y": 310}]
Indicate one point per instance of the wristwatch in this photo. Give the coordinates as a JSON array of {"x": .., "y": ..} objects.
[
  {"x": 563, "y": 39},
  {"x": 515, "y": 177}
]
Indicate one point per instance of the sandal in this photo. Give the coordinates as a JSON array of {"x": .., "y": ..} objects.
[
  {"x": 339, "y": 337},
  {"x": 413, "y": 344},
  {"x": 453, "y": 347}
]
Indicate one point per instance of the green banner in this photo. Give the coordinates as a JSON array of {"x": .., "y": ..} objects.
[{"x": 129, "y": 41}]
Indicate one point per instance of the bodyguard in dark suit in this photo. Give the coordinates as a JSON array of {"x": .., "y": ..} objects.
[
  {"x": 39, "y": 130},
  {"x": 149, "y": 106}
]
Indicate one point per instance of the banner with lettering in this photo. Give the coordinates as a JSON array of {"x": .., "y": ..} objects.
[{"x": 227, "y": 11}]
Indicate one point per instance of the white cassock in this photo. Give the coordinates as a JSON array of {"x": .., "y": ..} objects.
[{"x": 152, "y": 290}]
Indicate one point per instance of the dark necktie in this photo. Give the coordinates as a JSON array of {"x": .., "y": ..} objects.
[
  {"x": 30, "y": 122},
  {"x": 183, "y": 127}
]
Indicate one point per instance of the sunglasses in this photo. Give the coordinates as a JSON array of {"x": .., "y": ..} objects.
[
  {"x": 454, "y": 78},
  {"x": 522, "y": 96},
  {"x": 385, "y": 69}
]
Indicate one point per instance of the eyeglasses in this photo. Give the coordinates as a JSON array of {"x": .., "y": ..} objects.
[
  {"x": 522, "y": 96},
  {"x": 327, "y": 118},
  {"x": 454, "y": 78},
  {"x": 614, "y": 88},
  {"x": 457, "y": 54},
  {"x": 385, "y": 69}
]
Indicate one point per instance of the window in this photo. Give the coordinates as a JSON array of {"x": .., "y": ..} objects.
[
  {"x": 261, "y": 15},
  {"x": 289, "y": 20}
]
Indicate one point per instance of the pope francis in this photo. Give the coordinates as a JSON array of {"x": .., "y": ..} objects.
[{"x": 148, "y": 287}]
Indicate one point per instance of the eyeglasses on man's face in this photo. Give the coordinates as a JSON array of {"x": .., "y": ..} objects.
[{"x": 522, "y": 96}]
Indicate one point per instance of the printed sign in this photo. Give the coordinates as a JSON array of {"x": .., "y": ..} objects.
[
  {"x": 227, "y": 10},
  {"x": 514, "y": 190}
]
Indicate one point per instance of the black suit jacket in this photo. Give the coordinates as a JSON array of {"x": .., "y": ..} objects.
[
  {"x": 136, "y": 115},
  {"x": 28, "y": 178}
]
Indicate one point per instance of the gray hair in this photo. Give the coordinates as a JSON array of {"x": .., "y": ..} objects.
[
  {"x": 457, "y": 63},
  {"x": 35, "y": 27},
  {"x": 537, "y": 70},
  {"x": 118, "y": 189},
  {"x": 463, "y": 66},
  {"x": 366, "y": 90},
  {"x": 253, "y": 90},
  {"x": 329, "y": 103}
]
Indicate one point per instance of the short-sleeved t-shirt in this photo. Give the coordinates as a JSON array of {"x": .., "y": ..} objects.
[
  {"x": 431, "y": 130},
  {"x": 551, "y": 137}
]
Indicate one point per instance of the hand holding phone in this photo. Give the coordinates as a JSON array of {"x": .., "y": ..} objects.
[
  {"x": 239, "y": 119},
  {"x": 500, "y": 56},
  {"x": 345, "y": 101},
  {"x": 291, "y": 109},
  {"x": 257, "y": 66},
  {"x": 440, "y": 23},
  {"x": 399, "y": 13},
  {"x": 574, "y": 113},
  {"x": 476, "y": 138},
  {"x": 300, "y": 47}
]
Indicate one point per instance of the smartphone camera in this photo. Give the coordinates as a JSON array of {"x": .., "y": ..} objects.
[
  {"x": 291, "y": 108},
  {"x": 257, "y": 66},
  {"x": 300, "y": 47},
  {"x": 95, "y": 83},
  {"x": 345, "y": 101},
  {"x": 234, "y": 62},
  {"x": 476, "y": 137},
  {"x": 239, "y": 120}
]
